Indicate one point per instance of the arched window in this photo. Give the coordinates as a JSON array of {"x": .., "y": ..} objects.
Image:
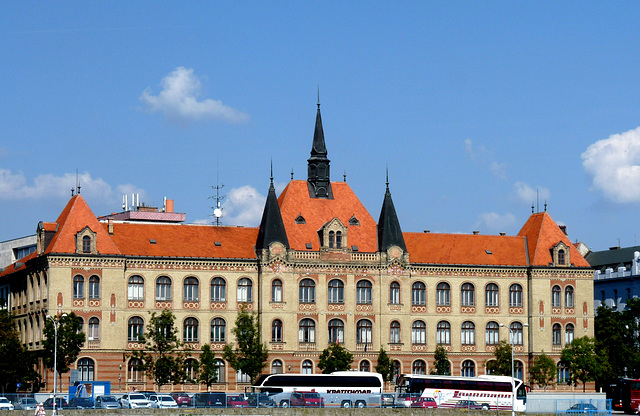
[
  {"x": 492, "y": 333},
  {"x": 190, "y": 368},
  {"x": 94, "y": 329},
  {"x": 338, "y": 239},
  {"x": 515, "y": 296},
  {"x": 443, "y": 333},
  {"x": 336, "y": 331},
  {"x": 86, "y": 369},
  {"x": 135, "y": 329},
  {"x": 394, "y": 293},
  {"x": 134, "y": 371},
  {"x": 419, "y": 367},
  {"x": 365, "y": 365},
  {"x": 518, "y": 368},
  {"x": 78, "y": 287},
  {"x": 276, "y": 367},
  {"x": 218, "y": 290},
  {"x": 218, "y": 330},
  {"x": 307, "y": 331},
  {"x": 555, "y": 297},
  {"x": 468, "y": 333},
  {"x": 136, "y": 288},
  {"x": 163, "y": 288},
  {"x": 492, "y": 295},
  {"x": 467, "y": 295},
  {"x": 418, "y": 294},
  {"x": 556, "y": 334},
  {"x": 307, "y": 291},
  {"x": 564, "y": 375},
  {"x": 276, "y": 290},
  {"x": 332, "y": 239},
  {"x": 86, "y": 244},
  {"x": 245, "y": 289},
  {"x": 561, "y": 256},
  {"x": 394, "y": 332},
  {"x": 468, "y": 368},
  {"x": 242, "y": 377},
  {"x": 94, "y": 287},
  {"x": 307, "y": 367},
  {"x": 336, "y": 291},
  {"x": 190, "y": 330},
  {"x": 418, "y": 332},
  {"x": 516, "y": 333},
  {"x": 568, "y": 334},
  {"x": 364, "y": 331},
  {"x": 568, "y": 297},
  {"x": 443, "y": 294},
  {"x": 222, "y": 370},
  {"x": 363, "y": 291},
  {"x": 191, "y": 289},
  {"x": 276, "y": 330}
]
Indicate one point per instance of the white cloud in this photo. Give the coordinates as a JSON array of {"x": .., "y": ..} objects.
[
  {"x": 496, "y": 222},
  {"x": 614, "y": 164},
  {"x": 178, "y": 100},
  {"x": 527, "y": 194},
  {"x": 243, "y": 206},
  {"x": 485, "y": 157}
]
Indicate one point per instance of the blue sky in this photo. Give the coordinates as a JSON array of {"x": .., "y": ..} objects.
[{"x": 475, "y": 107}]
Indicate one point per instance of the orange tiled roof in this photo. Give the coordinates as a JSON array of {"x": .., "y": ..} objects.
[
  {"x": 543, "y": 234},
  {"x": 18, "y": 265},
  {"x": 294, "y": 200},
  {"x": 463, "y": 249}
]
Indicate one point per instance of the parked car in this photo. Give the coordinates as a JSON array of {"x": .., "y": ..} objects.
[
  {"x": 388, "y": 400},
  {"x": 234, "y": 400},
  {"x": 583, "y": 408},
  {"x": 107, "y": 402},
  {"x": 80, "y": 403},
  {"x": 25, "y": 403},
  {"x": 471, "y": 405},
  {"x": 183, "y": 399},
  {"x": 303, "y": 399},
  {"x": 425, "y": 403},
  {"x": 162, "y": 401},
  {"x": 134, "y": 400},
  {"x": 61, "y": 403},
  {"x": 406, "y": 399},
  {"x": 5, "y": 404},
  {"x": 209, "y": 400},
  {"x": 260, "y": 400}
]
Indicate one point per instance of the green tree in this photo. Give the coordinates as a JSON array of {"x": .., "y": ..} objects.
[
  {"x": 543, "y": 371},
  {"x": 251, "y": 353},
  {"x": 162, "y": 357},
  {"x": 442, "y": 366},
  {"x": 385, "y": 366},
  {"x": 581, "y": 358},
  {"x": 501, "y": 366},
  {"x": 16, "y": 362},
  {"x": 335, "y": 358},
  {"x": 208, "y": 374},
  {"x": 70, "y": 340}
]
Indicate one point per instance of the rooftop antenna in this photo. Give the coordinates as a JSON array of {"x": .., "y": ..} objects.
[
  {"x": 217, "y": 208},
  {"x": 345, "y": 175},
  {"x": 291, "y": 173},
  {"x": 77, "y": 183},
  {"x": 318, "y": 96},
  {"x": 545, "y": 205},
  {"x": 533, "y": 209}
]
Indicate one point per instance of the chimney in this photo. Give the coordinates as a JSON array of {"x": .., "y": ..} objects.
[
  {"x": 169, "y": 207},
  {"x": 110, "y": 226},
  {"x": 563, "y": 228},
  {"x": 503, "y": 234},
  {"x": 476, "y": 232}
]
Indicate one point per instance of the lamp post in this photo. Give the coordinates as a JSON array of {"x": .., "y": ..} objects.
[
  {"x": 56, "y": 323},
  {"x": 513, "y": 381}
]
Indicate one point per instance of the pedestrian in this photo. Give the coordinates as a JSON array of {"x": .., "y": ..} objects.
[{"x": 40, "y": 410}]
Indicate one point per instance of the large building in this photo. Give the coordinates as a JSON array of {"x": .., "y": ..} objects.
[
  {"x": 319, "y": 269},
  {"x": 616, "y": 277}
]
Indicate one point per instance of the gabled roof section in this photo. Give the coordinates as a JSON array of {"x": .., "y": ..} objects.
[
  {"x": 613, "y": 258},
  {"x": 74, "y": 217},
  {"x": 542, "y": 235},
  {"x": 389, "y": 231},
  {"x": 466, "y": 249},
  {"x": 271, "y": 226},
  {"x": 18, "y": 265},
  {"x": 295, "y": 200}
]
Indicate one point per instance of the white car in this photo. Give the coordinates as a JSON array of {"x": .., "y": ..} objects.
[
  {"x": 5, "y": 404},
  {"x": 163, "y": 401},
  {"x": 135, "y": 400}
]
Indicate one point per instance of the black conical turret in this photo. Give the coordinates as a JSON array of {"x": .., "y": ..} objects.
[
  {"x": 389, "y": 231},
  {"x": 271, "y": 226},
  {"x": 319, "y": 179}
]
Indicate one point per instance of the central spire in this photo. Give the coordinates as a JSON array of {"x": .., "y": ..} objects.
[{"x": 318, "y": 179}]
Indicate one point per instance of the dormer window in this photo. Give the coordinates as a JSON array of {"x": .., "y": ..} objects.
[
  {"x": 354, "y": 221},
  {"x": 300, "y": 219},
  {"x": 560, "y": 255},
  {"x": 333, "y": 235},
  {"x": 86, "y": 242}
]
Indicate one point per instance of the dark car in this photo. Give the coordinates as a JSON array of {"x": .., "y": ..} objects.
[
  {"x": 25, "y": 403},
  {"x": 471, "y": 405},
  {"x": 583, "y": 408},
  {"x": 425, "y": 403},
  {"x": 260, "y": 400},
  {"x": 209, "y": 400},
  {"x": 183, "y": 399},
  {"x": 61, "y": 403},
  {"x": 80, "y": 403}
]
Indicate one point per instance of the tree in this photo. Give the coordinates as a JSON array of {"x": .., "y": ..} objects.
[
  {"x": 161, "y": 357},
  {"x": 581, "y": 358},
  {"x": 70, "y": 340},
  {"x": 251, "y": 353},
  {"x": 441, "y": 362},
  {"x": 385, "y": 366},
  {"x": 335, "y": 358},
  {"x": 16, "y": 362},
  {"x": 208, "y": 369},
  {"x": 501, "y": 366},
  {"x": 543, "y": 371}
]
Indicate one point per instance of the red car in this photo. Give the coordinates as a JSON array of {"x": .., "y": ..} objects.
[
  {"x": 237, "y": 401},
  {"x": 183, "y": 399},
  {"x": 425, "y": 403}
]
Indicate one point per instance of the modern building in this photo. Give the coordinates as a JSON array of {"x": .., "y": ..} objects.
[
  {"x": 318, "y": 270},
  {"x": 616, "y": 276}
]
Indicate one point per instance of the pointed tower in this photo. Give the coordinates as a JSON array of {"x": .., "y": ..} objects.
[
  {"x": 318, "y": 176},
  {"x": 389, "y": 231},
  {"x": 271, "y": 226}
]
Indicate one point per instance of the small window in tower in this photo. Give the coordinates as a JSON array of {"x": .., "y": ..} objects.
[
  {"x": 217, "y": 243},
  {"x": 488, "y": 251},
  {"x": 308, "y": 246},
  {"x": 354, "y": 248},
  {"x": 152, "y": 241},
  {"x": 300, "y": 219},
  {"x": 354, "y": 221}
]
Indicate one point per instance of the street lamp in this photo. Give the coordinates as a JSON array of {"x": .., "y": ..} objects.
[
  {"x": 56, "y": 323},
  {"x": 513, "y": 381}
]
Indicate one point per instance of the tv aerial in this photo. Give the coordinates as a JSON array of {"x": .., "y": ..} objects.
[{"x": 217, "y": 208}]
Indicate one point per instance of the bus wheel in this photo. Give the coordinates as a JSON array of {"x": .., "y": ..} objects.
[
  {"x": 346, "y": 404},
  {"x": 284, "y": 403},
  {"x": 360, "y": 404},
  {"x": 485, "y": 407}
]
